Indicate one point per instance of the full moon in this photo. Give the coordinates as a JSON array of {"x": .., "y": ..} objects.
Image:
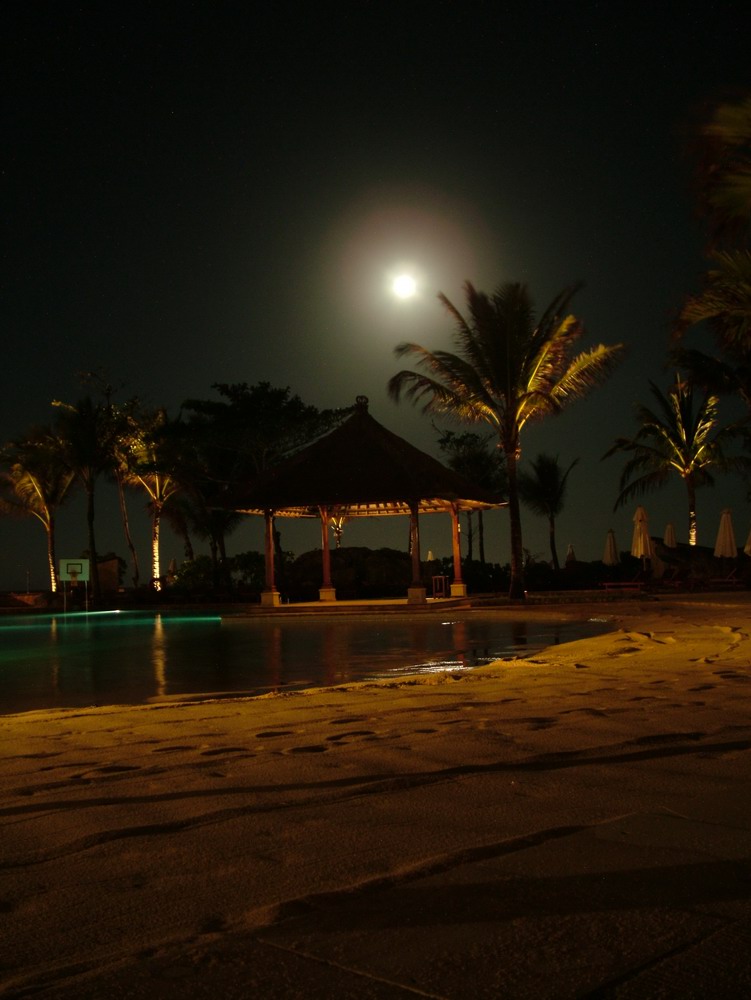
[{"x": 404, "y": 286}]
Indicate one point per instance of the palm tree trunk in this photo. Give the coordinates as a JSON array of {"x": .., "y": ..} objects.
[
  {"x": 553, "y": 550},
  {"x": 51, "y": 554},
  {"x": 692, "y": 527},
  {"x": 214, "y": 562},
  {"x": 156, "y": 516},
  {"x": 470, "y": 536},
  {"x": 516, "y": 587},
  {"x": 96, "y": 591},
  {"x": 226, "y": 576},
  {"x": 126, "y": 528},
  {"x": 188, "y": 546},
  {"x": 481, "y": 537}
]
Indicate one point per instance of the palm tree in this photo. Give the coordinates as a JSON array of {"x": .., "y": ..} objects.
[
  {"x": 675, "y": 439},
  {"x": 150, "y": 462},
  {"x": 231, "y": 441},
  {"x": 87, "y": 434},
  {"x": 36, "y": 483},
  {"x": 724, "y": 171},
  {"x": 509, "y": 369},
  {"x": 724, "y": 303},
  {"x": 544, "y": 491},
  {"x": 191, "y": 510},
  {"x": 470, "y": 455}
]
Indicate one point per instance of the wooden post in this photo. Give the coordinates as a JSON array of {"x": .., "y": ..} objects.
[
  {"x": 270, "y": 597},
  {"x": 416, "y": 593},
  {"x": 458, "y": 587},
  {"x": 326, "y": 592}
]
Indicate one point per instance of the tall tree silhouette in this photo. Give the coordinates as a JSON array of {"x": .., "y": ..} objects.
[
  {"x": 509, "y": 368},
  {"x": 87, "y": 435},
  {"x": 544, "y": 490},
  {"x": 35, "y": 482}
]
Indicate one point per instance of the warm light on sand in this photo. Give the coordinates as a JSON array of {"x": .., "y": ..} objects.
[{"x": 596, "y": 788}]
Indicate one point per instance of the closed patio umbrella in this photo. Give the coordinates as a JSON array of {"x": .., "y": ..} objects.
[
  {"x": 669, "y": 540},
  {"x": 641, "y": 543},
  {"x": 610, "y": 555},
  {"x": 725, "y": 547},
  {"x": 570, "y": 555}
]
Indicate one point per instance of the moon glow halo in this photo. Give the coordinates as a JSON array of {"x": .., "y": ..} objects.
[{"x": 404, "y": 286}]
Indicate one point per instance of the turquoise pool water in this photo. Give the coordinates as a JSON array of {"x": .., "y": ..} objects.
[{"x": 101, "y": 658}]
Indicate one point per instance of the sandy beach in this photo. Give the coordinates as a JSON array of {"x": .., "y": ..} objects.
[{"x": 574, "y": 824}]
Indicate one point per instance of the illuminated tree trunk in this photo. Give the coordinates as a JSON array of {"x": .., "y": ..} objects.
[
  {"x": 156, "y": 517},
  {"x": 51, "y": 560},
  {"x": 692, "y": 527}
]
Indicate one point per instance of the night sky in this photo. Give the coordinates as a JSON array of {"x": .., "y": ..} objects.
[{"x": 197, "y": 193}]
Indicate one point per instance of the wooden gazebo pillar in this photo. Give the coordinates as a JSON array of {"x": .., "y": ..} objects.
[
  {"x": 326, "y": 591},
  {"x": 458, "y": 587},
  {"x": 416, "y": 593},
  {"x": 270, "y": 597}
]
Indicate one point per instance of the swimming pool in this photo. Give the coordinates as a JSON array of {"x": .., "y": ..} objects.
[{"x": 126, "y": 657}]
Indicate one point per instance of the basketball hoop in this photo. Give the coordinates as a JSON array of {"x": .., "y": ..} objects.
[{"x": 73, "y": 572}]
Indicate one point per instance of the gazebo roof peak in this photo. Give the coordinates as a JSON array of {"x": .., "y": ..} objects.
[{"x": 361, "y": 469}]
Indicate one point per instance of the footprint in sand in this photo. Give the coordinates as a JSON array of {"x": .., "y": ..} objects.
[
  {"x": 343, "y": 737},
  {"x": 314, "y": 748},
  {"x": 116, "y": 768},
  {"x": 593, "y": 712},
  {"x": 216, "y": 751},
  {"x": 271, "y": 733},
  {"x": 535, "y": 722},
  {"x": 664, "y": 738}
]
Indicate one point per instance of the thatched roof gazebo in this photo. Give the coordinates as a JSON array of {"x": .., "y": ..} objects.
[{"x": 361, "y": 469}]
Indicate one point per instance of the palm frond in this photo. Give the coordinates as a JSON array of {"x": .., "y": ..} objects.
[
  {"x": 725, "y": 300},
  {"x": 647, "y": 483},
  {"x": 586, "y": 370}
]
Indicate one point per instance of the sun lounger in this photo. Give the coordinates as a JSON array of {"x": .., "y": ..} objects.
[
  {"x": 730, "y": 580},
  {"x": 624, "y": 585}
]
